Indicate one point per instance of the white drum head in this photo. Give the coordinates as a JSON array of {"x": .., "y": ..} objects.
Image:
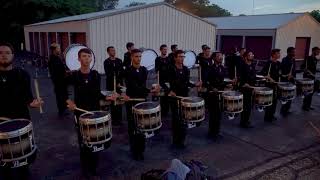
[
  {"x": 190, "y": 59},
  {"x": 71, "y": 56},
  {"x": 148, "y": 59}
]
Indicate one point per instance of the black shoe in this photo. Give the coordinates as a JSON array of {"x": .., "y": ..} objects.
[
  {"x": 217, "y": 137},
  {"x": 246, "y": 126},
  {"x": 305, "y": 109},
  {"x": 311, "y": 108}
]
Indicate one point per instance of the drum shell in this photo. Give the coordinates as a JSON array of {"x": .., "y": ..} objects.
[
  {"x": 232, "y": 102},
  {"x": 286, "y": 91},
  {"x": 193, "y": 111},
  {"x": 95, "y": 130},
  {"x": 147, "y": 119},
  {"x": 305, "y": 86},
  {"x": 17, "y": 144},
  {"x": 263, "y": 96}
]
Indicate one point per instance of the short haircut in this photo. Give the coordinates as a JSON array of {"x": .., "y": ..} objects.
[
  {"x": 206, "y": 48},
  {"x": 134, "y": 51},
  {"x": 110, "y": 47},
  {"x": 174, "y": 46},
  {"x": 246, "y": 53},
  {"x": 178, "y": 52},
  {"x": 214, "y": 54},
  {"x": 242, "y": 49},
  {"x": 163, "y": 46},
  {"x": 203, "y": 46},
  {"x": 84, "y": 50},
  {"x": 274, "y": 51},
  {"x": 7, "y": 45},
  {"x": 54, "y": 46},
  {"x": 129, "y": 45},
  {"x": 315, "y": 48},
  {"x": 290, "y": 49}
]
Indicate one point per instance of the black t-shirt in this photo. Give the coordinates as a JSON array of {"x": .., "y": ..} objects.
[
  {"x": 216, "y": 77},
  {"x": 15, "y": 94},
  {"x": 274, "y": 69},
  {"x": 57, "y": 70},
  {"x": 87, "y": 92},
  {"x": 162, "y": 65},
  {"x": 127, "y": 60},
  {"x": 113, "y": 68},
  {"x": 205, "y": 63},
  {"x": 247, "y": 74},
  {"x": 179, "y": 80},
  {"x": 136, "y": 80}
]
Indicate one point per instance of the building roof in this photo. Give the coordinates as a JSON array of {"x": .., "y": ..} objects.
[
  {"x": 268, "y": 21},
  {"x": 101, "y": 14}
]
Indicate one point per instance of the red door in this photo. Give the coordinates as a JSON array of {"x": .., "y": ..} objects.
[
  {"x": 31, "y": 41},
  {"x": 63, "y": 40},
  {"x": 44, "y": 44},
  {"x": 260, "y": 46},
  {"x": 230, "y": 42},
  {"x": 36, "y": 43},
  {"x": 78, "y": 38},
  {"x": 302, "y": 47}
]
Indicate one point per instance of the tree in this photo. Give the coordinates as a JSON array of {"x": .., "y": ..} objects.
[
  {"x": 201, "y": 8},
  {"x": 315, "y": 14},
  {"x": 107, "y": 4},
  {"x": 135, "y": 4}
]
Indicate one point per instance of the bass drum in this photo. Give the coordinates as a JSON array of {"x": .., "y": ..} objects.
[
  {"x": 71, "y": 56},
  {"x": 148, "y": 58},
  {"x": 190, "y": 59}
]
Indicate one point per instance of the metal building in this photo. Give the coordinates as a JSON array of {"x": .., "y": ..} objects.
[
  {"x": 261, "y": 33},
  {"x": 147, "y": 26}
]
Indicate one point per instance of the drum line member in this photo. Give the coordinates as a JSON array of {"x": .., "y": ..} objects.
[
  {"x": 179, "y": 84},
  {"x": 215, "y": 83},
  {"x": 127, "y": 55},
  {"x": 203, "y": 47},
  {"x": 246, "y": 82},
  {"x": 288, "y": 73},
  {"x": 162, "y": 65},
  {"x": 174, "y": 48},
  {"x": 113, "y": 67},
  {"x": 57, "y": 69},
  {"x": 271, "y": 71},
  {"x": 310, "y": 67},
  {"x": 87, "y": 95},
  {"x": 136, "y": 79},
  {"x": 16, "y": 96}
]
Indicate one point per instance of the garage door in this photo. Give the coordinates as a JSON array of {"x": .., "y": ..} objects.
[
  {"x": 230, "y": 42},
  {"x": 260, "y": 46}
]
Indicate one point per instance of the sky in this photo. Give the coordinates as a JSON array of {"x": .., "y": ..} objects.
[{"x": 237, "y": 7}]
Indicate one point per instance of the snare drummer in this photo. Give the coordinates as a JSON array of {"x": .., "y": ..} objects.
[
  {"x": 310, "y": 66},
  {"x": 215, "y": 84},
  {"x": 205, "y": 62},
  {"x": 288, "y": 73},
  {"x": 16, "y": 97},
  {"x": 179, "y": 83},
  {"x": 162, "y": 65},
  {"x": 136, "y": 79},
  {"x": 271, "y": 71},
  {"x": 200, "y": 55},
  {"x": 113, "y": 70},
  {"x": 87, "y": 95},
  {"x": 127, "y": 55},
  {"x": 174, "y": 48},
  {"x": 246, "y": 83}
]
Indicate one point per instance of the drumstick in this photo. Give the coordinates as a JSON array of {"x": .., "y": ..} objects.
[
  {"x": 235, "y": 72},
  {"x": 36, "y": 86},
  {"x": 137, "y": 99},
  {"x": 269, "y": 69},
  {"x": 158, "y": 77},
  {"x": 315, "y": 128},
  {"x": 114, "y": 86},
  {"x": 200, "y": 76},
  {"x": 82, "y": 110}
]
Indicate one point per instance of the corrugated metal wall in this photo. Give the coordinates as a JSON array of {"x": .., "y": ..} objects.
[
  {"x": 304, "y": 26},
  {"x": 148, "y": 28}
]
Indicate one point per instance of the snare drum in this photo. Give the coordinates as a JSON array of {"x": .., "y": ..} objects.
[
  {"x": 192, "y": 109},
  {"x": 263, "y": 97},
  {"x": 260, "y": 82},
  {"x": 17, "y": 147},
  {"x": 96, "y": 129},
  {"x": 232, "y": 103},
  {"x": 287, "y": 91},
  {"x": 147, "y": 116},
  {"x": 305, "y": 86}
]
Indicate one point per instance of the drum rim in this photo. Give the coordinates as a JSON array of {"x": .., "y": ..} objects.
[
  {"x": 195, "y": 55},
  {"x": 192, "y": 104},
  {"x": 228, "y": 97},
  {"x": 18, "y": 132},
  {"x": 87, "y": 121},
  {"x": 154, "y": 65},
  {"x": 305, "y": 81},
  {"x": 288, "y": 88},
  {"x": 78, "y": 44},
  {"x": 146, "y": 111},
  {"x": 266, "y": 91}
]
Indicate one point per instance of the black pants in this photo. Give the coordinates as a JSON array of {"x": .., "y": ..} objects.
[
  {"x": 286, "y": 107},
  {"x": 88, "y": 159},
  {"x": 179, "y": 129},
  {"x": 271, "y": 110},
  {"x": 308, "y": 98},
  {"x": 116, "y": 113},
  {"x": 215, "y": 113},
  {"x": 247, "y": 106},
  {"x": 136, "y": 138},
  {"x": 164, "y": 103},
  {"x": 61, "y": 92},
  {"x": 20, "y": 173}
]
